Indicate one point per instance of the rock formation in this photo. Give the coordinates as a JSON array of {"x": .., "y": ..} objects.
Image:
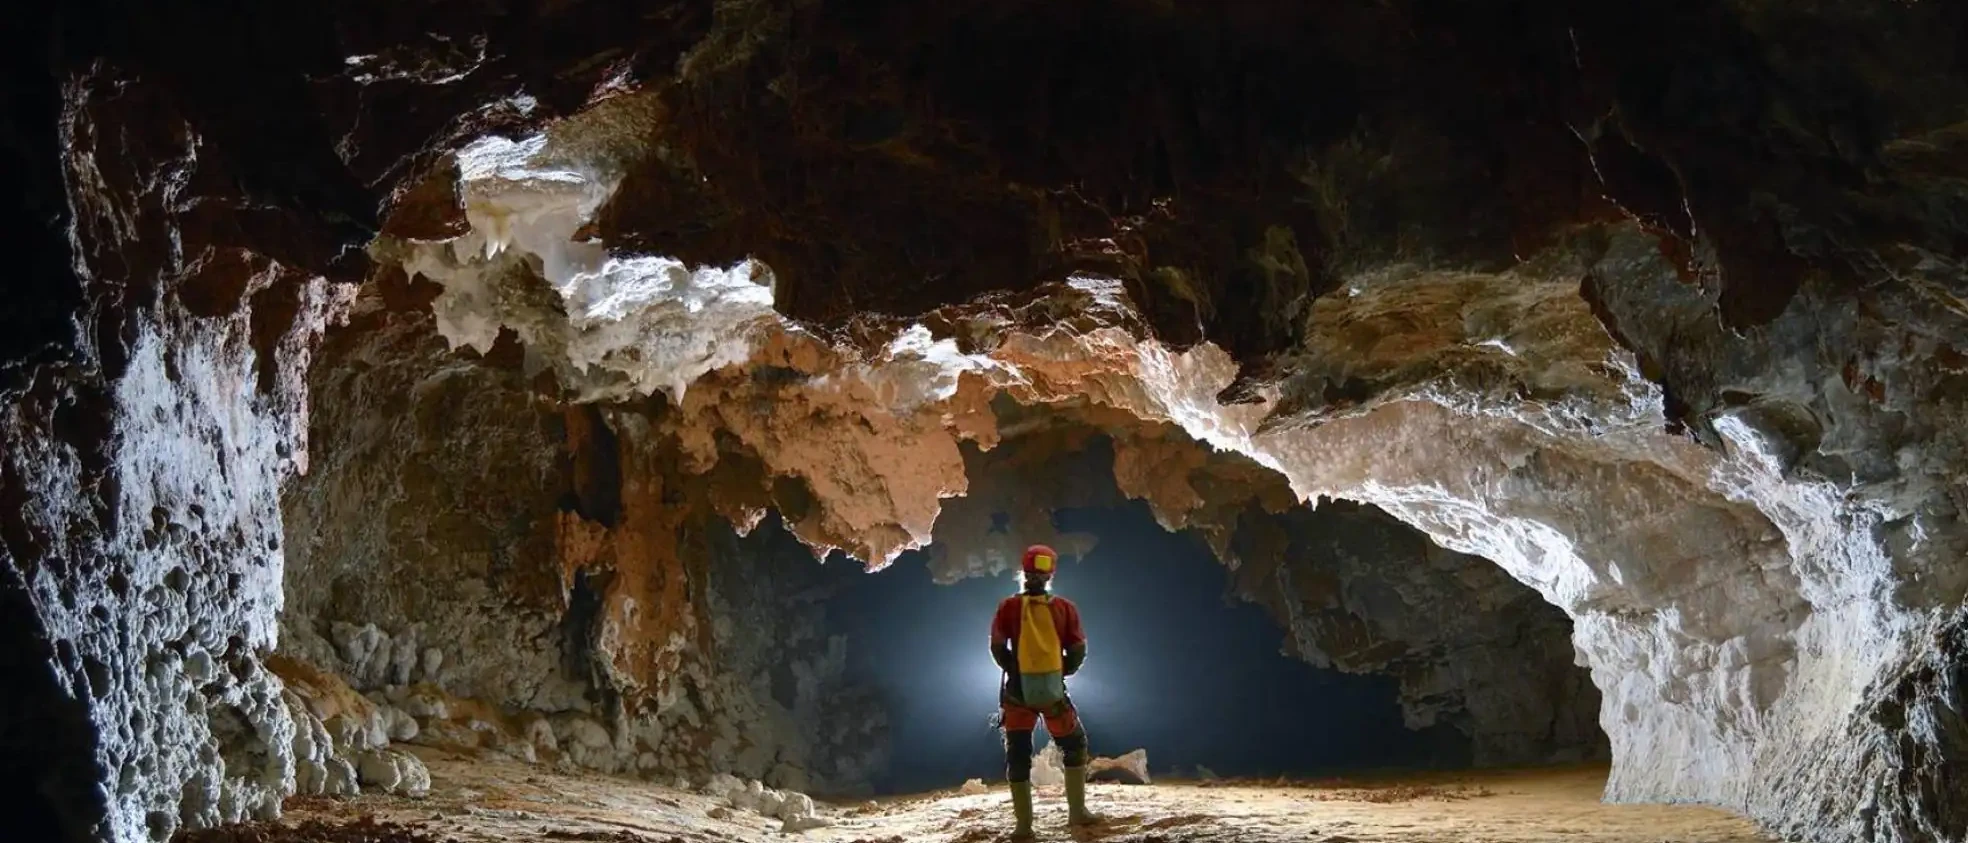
[
  {"x": 1657, "y": 306},
  {"x": 1131, "y": 768},
  {"x": 1471, "y": 647},
  {"x": 462, "y": 539}
]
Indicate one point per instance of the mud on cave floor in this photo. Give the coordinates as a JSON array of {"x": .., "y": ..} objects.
[{"x": 479, "y": 801}]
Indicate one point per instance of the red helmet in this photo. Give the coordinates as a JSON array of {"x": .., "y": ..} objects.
[{"x": 1041, "y": 560}]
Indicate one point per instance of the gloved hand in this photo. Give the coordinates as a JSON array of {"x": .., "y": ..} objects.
[{"x": 1006, "y": 661}]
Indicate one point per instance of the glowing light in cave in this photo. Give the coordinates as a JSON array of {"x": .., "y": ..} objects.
[{"x": 1170, "y": 668}]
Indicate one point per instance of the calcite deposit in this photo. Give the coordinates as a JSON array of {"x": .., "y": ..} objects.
[
  {"x": 142, "y": 476},
  {"x": 1657, "y": 306},
  {"x": 342, "y": 739}
]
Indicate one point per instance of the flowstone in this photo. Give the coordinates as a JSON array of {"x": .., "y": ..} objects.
[{"x": 342, "y": 739}]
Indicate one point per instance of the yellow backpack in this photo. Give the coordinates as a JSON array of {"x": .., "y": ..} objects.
[{"x": 1041, "y": 660}]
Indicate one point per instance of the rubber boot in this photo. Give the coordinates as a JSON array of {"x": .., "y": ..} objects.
[
  {"x": 1076, "y": 797},
  {"x": 1021, "y": 805}
]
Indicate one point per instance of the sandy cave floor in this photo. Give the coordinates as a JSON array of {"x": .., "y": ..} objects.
[{"x": 480, "y": 801}]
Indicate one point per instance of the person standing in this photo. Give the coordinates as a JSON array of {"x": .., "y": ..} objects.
[{"x": 1037, "y": 639}]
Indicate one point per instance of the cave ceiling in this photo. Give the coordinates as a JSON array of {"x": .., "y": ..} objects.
[{"x": 1230, "y": 161}]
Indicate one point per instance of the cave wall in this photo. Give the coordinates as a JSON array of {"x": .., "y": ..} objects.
[
  {"x": 1735, "y": 605},
  {"x": 1840, "y": 420},
  {"x": 1472, "y": 648},
  {"x": 152, "y": 558},
  {"x": 430, "y": 512},
  {"x": 147, "y": 433},
  {"x": 1747, "y": 499},
  {"x": 811, "y": 726},
  {"x": 186, "y": 187},
  {"x": 463, "y": 537}
]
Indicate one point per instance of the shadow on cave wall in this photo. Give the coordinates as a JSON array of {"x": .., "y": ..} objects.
[
  {"x": 1470, "y": 646},
  {"x": 46, "y": 742}
]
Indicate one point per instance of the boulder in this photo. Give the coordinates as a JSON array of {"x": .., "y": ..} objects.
[{"x": 1131, "y": 768}]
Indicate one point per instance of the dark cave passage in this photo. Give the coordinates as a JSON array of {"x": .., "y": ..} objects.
[
  {"x": 1175, "y": 666},
  {"x": 47, "y": 749}
]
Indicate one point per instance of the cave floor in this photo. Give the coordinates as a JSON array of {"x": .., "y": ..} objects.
[{"x": 481, "y": 801}]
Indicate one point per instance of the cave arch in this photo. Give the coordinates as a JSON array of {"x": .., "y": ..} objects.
[
  {"x": 1344, "y": 555},
  {"x": 1688, "y": 245},
  {"x": 665, "y": 600},
  {"x": 1492, "y": 410}
]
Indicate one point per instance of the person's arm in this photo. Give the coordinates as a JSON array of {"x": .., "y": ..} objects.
[
  {"x": 1074, "y": 639},
  {"x": 1001, "y": 653},
  {"x": 1001, "y": 643}
]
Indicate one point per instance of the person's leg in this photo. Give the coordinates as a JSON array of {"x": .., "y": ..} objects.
[
  {"x": 1018, "y": 754},
  {"x": 1018, "y": 726},
  {"x": 1069, "y": 731}
]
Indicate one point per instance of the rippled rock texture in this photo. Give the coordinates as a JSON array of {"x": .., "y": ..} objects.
[{"x": 1656, "y": 305}]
